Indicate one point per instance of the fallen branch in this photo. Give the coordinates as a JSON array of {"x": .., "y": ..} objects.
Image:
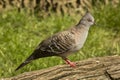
[{"x": 100, "y": 68}]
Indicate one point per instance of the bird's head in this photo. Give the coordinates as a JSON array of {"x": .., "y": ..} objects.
[{"x": 87, "y": 19}]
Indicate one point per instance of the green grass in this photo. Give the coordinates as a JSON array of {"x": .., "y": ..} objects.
[{"x": 21, "y": 33}]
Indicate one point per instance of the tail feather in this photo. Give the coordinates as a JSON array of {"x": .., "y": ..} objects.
[
  {"x": 22, "y": 65},
  {"x": 28, "y": 60},
  {"x": 35, "y": 55}
]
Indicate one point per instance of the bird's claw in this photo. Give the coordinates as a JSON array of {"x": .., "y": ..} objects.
[{"x": 72, "y": 64}]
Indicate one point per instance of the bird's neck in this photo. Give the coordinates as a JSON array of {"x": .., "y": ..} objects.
[{"x": 83, "y": 27}]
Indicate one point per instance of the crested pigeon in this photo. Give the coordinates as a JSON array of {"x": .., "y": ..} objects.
[{"x": 63, "y": 43}]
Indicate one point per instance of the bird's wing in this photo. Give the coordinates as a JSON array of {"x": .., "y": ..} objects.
[{"x": 57, "y": 44}]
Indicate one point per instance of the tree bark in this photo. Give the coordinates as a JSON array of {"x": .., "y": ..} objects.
[{"x": 100, "y": 68}]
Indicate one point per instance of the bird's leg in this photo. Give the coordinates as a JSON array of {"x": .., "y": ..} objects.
[{"x": 72, "y": 64}]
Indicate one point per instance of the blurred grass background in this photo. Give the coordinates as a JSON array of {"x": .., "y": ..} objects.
[{"x": 21, "y": 33}]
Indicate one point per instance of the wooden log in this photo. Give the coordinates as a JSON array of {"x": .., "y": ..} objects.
[{"x": 99, "y": 68}]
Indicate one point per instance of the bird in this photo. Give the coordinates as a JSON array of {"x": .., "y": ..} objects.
[{"x": 63, "y": 43}]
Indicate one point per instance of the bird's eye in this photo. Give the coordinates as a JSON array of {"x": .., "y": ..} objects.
[{"x": 89, "y": 20}]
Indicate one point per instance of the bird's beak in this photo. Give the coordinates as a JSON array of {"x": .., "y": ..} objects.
[{"x": 95, "y": 23}]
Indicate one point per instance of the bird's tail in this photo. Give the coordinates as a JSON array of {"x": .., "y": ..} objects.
[
  {"x": 35, "y": 55},
  {"x": 28, "y": 60}
]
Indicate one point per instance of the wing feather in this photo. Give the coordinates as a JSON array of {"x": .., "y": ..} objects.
[{"x": 58, "y": 44}]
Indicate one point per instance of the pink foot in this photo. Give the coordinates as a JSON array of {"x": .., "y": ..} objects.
[{"x": 72, "y": 64}]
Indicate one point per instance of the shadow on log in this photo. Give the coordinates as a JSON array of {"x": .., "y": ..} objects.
[{"x": 100, "y": 68}]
